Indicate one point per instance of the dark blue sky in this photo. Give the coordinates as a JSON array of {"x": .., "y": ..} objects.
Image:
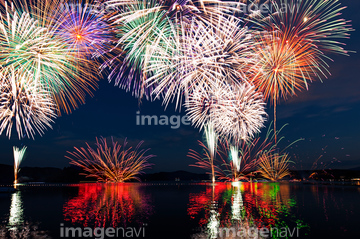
[{"x": 326, "y": 116}]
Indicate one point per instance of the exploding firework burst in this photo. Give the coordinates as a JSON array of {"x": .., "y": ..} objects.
[
  {"x": 112, "y": 163},
  {"x": 25, "y": 104},
  {"x": 202, "y": 102},
  {"x": 28, "y": 46},
  {"x": 138, "y": 25},
  {"x": 284, "y": 65},
  {"x": 236, "y": 111},
  {"x": 18, "y": 158},
  {"x": 302, "y": 32},
  {"x": 142, "y": 27},
  {"x": 179, "y": 11},
  {"x": 201, "y": 55},
  {"x": 315, "y": 22},
  {"x": 274, "y": 166},
  {"x": 84, "y": 29}
]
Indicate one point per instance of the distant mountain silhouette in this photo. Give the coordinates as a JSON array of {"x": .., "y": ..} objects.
[
  {"x": 71, "y": 175},
  {"x": 37, "y": 174},
  {"x": 173, "y": 176}
]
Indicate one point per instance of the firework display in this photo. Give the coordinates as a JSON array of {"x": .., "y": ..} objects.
[
  {"x": 111, "y": 163},
  {"x": 219, "y": 62},
  {"x": 244, "y": 160},
  {"x": 144, "y": 26},
  {"x": 29, "y": 44},
  {"x": 218, "y": 71}
]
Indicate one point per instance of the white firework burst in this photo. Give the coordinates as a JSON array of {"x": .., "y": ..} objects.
[
  {"x": 244, "y": 115},
  {"x": 24, "y": 104},
  {"x": 202, "y": 102},
  {"x": 236, "y": 111},
  {"x": 200, "y": 54}
]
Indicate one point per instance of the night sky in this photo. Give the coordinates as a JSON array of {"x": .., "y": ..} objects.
[{"x": 326, "y": 117}]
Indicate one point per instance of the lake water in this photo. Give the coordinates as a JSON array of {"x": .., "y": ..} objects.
[{"x": 181, "y": 210}]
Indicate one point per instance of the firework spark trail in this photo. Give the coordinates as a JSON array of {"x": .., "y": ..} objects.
[
  {"x": 25, "y": 104},
  {"x": 208, "y": 160},
  {"x": 211, "y": 140},
  {"x": 18, "y": 157},
  {"x": 111, "y": 163},
  {"x": 236, "y": 160},
  {"x": 204, "y": 161},
  {"x": 252, "y": 150},
  {"x": 223, "y": 169},
  {"x": 249, "y": 158}
]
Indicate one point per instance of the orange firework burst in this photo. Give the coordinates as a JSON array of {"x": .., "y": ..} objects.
[
  {"x": 285, "y": 64},
  {"x": 111, "y": 163},
  {"x": 316, "y": 22},
  {"x": 274, "y": 166},
  {"x": 301, "y": 32}
]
